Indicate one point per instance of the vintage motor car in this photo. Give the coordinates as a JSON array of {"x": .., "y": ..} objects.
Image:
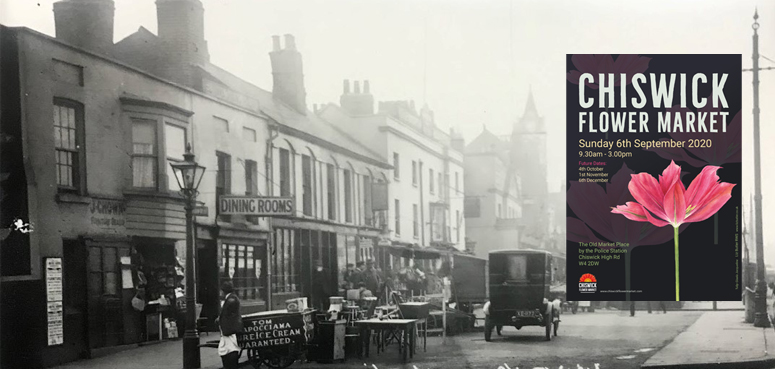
[{"x": 520, "y": 282}]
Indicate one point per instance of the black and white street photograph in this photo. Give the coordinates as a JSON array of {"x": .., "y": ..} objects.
[{"x": 380, "y": 184}]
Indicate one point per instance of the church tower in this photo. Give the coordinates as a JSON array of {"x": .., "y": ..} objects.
[{"x": 528, "y": 160}]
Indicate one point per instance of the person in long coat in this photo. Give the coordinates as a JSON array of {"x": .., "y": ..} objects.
[
  {"x": 230, "y": 323},
  {"x": 321, "y": 288}
]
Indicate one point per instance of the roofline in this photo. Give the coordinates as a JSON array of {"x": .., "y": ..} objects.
[
  {"x": 135, "y": 70},
  {"x": 259, "y": 114}
]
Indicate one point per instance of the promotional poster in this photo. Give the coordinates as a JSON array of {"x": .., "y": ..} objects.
[{"x": 654, "y": 177}]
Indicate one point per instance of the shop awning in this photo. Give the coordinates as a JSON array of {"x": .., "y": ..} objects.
[{"x": 411, "y": 251}]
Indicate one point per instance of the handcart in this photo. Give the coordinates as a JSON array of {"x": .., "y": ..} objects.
[{"x": 276, "y": 338}]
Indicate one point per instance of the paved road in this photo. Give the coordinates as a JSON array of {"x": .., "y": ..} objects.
[{"x": 609, "y": 339}]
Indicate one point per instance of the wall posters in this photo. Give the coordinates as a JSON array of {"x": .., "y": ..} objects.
[
  {"x": 653, "y": 165},
  {"x": 53, "y": 270}
]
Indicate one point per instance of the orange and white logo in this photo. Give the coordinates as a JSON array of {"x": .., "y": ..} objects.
[{"x": 588, "y": 283}]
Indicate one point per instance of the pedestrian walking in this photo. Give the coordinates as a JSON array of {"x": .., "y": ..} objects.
[
  {"x": 663, "y": 307},
  {"x": 648, "y": 306},
  {"x": 230, "y": 323},
  {"x": 371, "y": 278},
  {"x": 321, "y": 288},
  {"x": 632, "y": 308}
]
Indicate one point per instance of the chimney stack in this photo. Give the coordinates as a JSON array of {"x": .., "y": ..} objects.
[
  {"x": 182, "y": 34},
  {"x": 357, "y": 103},
  {"x": 87, "y": 24},
  {"x": 288, "y": 74}
]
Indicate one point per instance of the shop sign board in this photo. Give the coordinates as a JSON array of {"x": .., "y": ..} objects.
[
  {"x": 108, "y": 215},
  {"x": 263, "y": 206}
]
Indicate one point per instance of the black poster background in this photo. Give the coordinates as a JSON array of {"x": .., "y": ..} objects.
[{"x": 708, "y": 272}]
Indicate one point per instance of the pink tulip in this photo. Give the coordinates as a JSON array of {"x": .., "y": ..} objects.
[{"x": 667, "y": 201}]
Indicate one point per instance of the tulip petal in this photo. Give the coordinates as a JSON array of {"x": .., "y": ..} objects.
[
  {"x": 632, "y": 211},
  {"x": 675, "y": 204},
  {"x": 669, "y": 176},
  {"x": 647, "y": 192},
  {"x": 701, "y": 186},
  {"x": 716, "y": 198}
]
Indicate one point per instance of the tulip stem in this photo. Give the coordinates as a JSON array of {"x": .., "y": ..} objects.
[{"x": 677, "y": 281}]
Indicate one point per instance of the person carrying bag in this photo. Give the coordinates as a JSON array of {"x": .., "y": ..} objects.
[{"x": 230, "y": 323}]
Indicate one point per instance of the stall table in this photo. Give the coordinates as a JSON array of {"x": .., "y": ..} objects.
[{"x": 407, "y": 328}]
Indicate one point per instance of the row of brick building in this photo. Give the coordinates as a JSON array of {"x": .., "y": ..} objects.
[{"x": 90, "y": 127}]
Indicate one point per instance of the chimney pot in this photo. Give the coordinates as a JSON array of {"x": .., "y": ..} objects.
[
  {"x": 357, "y": 87},
  {"x": 366, "y": 87},
  {"x": 275, "y": 43},
  {"x": 290, "y": 42},
  {"x": 347, "y": 86}
]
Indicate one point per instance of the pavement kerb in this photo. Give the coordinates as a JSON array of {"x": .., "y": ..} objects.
[{"x": 766, "y": 363}]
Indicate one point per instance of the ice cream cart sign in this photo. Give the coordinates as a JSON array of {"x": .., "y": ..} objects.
[{"x": 274, "y": 330}]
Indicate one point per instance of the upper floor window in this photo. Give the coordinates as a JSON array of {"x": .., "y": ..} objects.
[
  {"x": 414, "y": 172},
  {"x": 331, "y": 191},
  {"x": 306, "y": 184},
  {"x": 430, "y": 181},
  {"x": 144, "y": 153},
  {"x": 457, "y": 178},
  {"x": 68, "y": 145},
  {"x": 285, "y": 172},
  {"x": 348, "y": 196},
  {"x": 223, "y": 178},
  {"x": 396, "y": 166},
  {"x": 415, "y": 223},
  {"x": 251, "y": 184},
  {"x": 175, "y": 146},
  {"x": 221, "y": 124}
]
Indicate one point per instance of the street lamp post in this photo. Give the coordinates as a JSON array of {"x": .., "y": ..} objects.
[
  {"x": 760, "y": 303},
  {"x": 188, "y": 175}
]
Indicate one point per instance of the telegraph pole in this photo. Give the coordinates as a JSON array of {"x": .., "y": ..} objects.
[{"x": 760, "y": 303}]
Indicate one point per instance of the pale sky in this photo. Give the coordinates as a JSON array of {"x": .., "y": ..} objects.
[{"x": 472, "y": 61}]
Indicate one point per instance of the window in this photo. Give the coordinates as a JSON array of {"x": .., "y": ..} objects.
[
  {"x": 331, "y": 191},
  {"x": 251, "y": 184},
  {"x": 368, "y": 213},
  {"x": 306, "y": 184},
  {"x": 284, "y": 268},
  {"x": 175, "y": 146},
  {"x": 348, "y": 197},
  {"x": 223, "y": 178},
  {"x": 414, "y": 172},
  {"x": 430, "y": 179},
  {"x": 415, "y": 228},
  {"x": 68, "y": 73},
  {"x": 398, "y": 217},
  {"x": 457, "y": 189},
  {"x": 247, "y": 265},
  {"x": 285, "y": 172},
  {"x": 144, "y": 153},
  {"x": 396, "y": 167},
  {"x": 68, "y": 143},
  {"x": 221, "y": 124},
  {"x": 249, "y": 134}
]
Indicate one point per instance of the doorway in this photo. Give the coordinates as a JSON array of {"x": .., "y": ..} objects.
[{"x": 75, "y": 299}]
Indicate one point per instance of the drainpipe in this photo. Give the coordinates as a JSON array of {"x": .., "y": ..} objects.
[
  {"x": 422, "y": 210},
  {"x": 269, "y": 169}
]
